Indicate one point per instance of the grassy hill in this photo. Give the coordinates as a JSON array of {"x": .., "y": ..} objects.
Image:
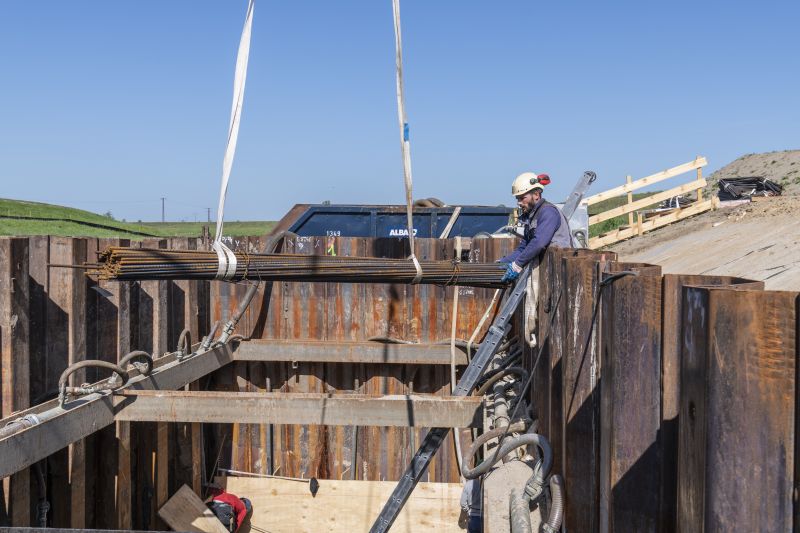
[{"x": 19, "y": 217}]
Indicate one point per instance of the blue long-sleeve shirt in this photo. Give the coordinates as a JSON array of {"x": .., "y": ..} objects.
[{"x": 549, "y": 220}]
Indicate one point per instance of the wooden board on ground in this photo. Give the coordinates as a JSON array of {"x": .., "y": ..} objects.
[
  {"x": 185, "y": 511},
  {"x": 281, "y": 505}
]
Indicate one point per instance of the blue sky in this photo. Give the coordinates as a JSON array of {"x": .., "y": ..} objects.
[{"x": 109, "y": 106}]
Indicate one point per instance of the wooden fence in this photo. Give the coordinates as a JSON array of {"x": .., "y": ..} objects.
[{"x": 645, "y": 223}]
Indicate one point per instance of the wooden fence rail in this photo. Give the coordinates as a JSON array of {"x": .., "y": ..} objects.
[{"x": 642, "y": 223}]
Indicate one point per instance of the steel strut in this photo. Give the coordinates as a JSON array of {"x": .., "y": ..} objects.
[{"x": 433, "y": 440}]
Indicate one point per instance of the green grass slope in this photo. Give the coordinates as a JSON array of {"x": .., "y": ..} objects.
[{"x": 20, "y": 218}]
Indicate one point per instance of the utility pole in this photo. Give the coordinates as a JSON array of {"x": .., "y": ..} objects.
[
  {"x": 209, "y": 213},
  {"x": 162, "y": 209}
]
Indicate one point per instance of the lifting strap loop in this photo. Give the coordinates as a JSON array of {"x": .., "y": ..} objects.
[
  {"x": 405, "y": 143},
  {"x": 227, "y": 260}
]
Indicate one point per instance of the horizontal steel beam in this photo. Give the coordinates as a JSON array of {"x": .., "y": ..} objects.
[
  {"x": 300, "y": 408},
  {"x": 61, "y": 426},
  {"x": 347, "y": 352}
]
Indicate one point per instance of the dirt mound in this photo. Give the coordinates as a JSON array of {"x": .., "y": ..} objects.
[
  {"x": 758, "y": 240},
  {"x": 781, "y": 167}
]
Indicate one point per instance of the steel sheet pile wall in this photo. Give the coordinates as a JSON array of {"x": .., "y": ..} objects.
[
  {"x": 336, "y": 312},
  {"x": 50, "y": 317},
  {"x": 712, "y": 359}
]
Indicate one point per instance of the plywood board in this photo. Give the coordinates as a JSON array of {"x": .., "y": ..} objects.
[
  {"x": 185, "y": 511},
  {"x": 281, "y": 505}
]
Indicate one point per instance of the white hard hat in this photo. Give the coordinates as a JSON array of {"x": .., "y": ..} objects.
[{"x": 528, "y": 181}]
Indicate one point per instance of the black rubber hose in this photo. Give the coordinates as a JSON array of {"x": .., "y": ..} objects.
[
  {"x": 518, "y": 370},
  {"x": 507, "y": 447},
  {"x": 137, "y": 354},
  {"x": 515, "y": 427}
]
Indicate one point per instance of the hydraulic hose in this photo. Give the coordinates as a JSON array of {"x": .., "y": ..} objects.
[
  {"x": 18, "y": 425},
  {"x": 553, "y": 524},
  {"x": 269, "y": 247},
  {"x": 63, "y": 390},
  {"x": 511, "y": 444},
  {"x": 505, "y": 362},
  {"x": 138, "y": 354},
  {"x": 208, "y": 340},
  {"x": 518, "y": 370},
  {"x": 185, "y": 343},
  {"x": 519, "y": 512},
  {"x": 516, "y": 427}
]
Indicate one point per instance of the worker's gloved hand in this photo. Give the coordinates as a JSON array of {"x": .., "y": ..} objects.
[{"x": 512, "y": 273}]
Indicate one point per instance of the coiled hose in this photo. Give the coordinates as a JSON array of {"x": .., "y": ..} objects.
[{"x": 517, "y": 426}]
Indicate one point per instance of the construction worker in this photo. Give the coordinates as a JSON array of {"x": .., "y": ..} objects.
[{"x": 541, "y": 224}]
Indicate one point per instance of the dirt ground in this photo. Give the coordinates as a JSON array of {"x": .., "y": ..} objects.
[{"x": 758, "y": 240}]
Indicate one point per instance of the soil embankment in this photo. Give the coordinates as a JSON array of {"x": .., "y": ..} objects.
[{"x": 758, "y": 240}]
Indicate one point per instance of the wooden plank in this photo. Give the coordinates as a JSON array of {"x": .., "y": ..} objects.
[
  {"x": 648, "y": 180},
  {"x": 346, "y": 352},
  {"x": 651, "y": 224},
  {"x": 80, "y": 419},
  {"x": 630, "y": 405},
  {"x": 632, "y": 206},
  {"x": 15, "y": 361},
  {"x": 299, "y": 408},
  {"x": 629, "y": 180},
  {"x": 185, "y": 511},
  {"x": 288, "y": 506}
]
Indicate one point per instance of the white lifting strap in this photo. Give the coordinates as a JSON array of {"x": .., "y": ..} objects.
[
  {"x": 226, "y": 258},
  {"x": 404, "y": 138}
]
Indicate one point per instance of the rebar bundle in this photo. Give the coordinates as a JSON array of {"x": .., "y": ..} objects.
[{"x": 142, "y": 264}]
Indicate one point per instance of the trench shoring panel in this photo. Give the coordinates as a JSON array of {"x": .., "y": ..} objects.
[{"x": 349, "y": 312}]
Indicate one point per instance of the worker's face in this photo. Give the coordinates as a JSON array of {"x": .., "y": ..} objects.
[{"x": 526, "y": 201}]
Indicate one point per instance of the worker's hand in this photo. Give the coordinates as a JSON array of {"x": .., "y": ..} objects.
[{"x": 512, "y": 273}]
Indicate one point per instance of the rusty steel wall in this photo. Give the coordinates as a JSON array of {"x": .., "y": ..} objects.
[
  {"x": 117, "y": 477},
  {"x": 347, "y": 312},
  {"x": 663, "y": 432}
]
